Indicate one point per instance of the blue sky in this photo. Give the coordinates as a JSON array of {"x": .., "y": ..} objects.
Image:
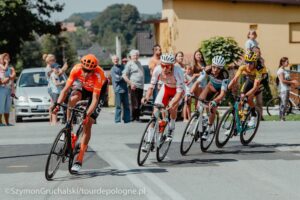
[{"x": 75, "y": 6}]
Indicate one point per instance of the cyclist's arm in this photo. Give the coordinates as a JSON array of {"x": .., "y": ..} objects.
[
  {"x": 202, "y": 76},
  {"x": 254, "y": 88},
  {"x": 68, "y": 85},
  {"x": 235, "y": 79},
  {"x": 222, "y": 94},
  {"x": 153, "y": 82},
  {"x": 93, "y": 105},
  {"x": 180, "y": 87}
]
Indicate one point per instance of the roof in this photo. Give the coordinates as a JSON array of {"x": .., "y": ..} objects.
[
  {"x": 36, "y": 69},
  {"x": 285, "y": 2},
  {"x": 95, "y": 49},
  {"x": 145, "y": 42}
]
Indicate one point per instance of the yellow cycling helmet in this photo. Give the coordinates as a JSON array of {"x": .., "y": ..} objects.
[{"x": 251, "y": 56}]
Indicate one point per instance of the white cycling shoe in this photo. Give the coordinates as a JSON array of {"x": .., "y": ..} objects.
[
  {"x": 76, "y": 167},
  {"x": 251, "y": 123}
]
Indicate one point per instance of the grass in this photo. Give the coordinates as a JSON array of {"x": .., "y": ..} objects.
[{"x": 290, "y": 117}]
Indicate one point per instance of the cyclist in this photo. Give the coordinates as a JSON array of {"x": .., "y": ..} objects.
[
  {"x": 94, "y": 83},
  {"x": 172, "y": 90},
  {"x": 253, "y": 77},
  {"x": 215, "y": 83}
]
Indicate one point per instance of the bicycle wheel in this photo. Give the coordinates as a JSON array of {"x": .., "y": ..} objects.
[
  {"x": 163, "y": 145},
  {"x": 145, "y": 144},
  {"x": 205, "y": 144},
  {"x": 273, "y": 106},
  {"x": 189, "y": 134},
  {"x": 57, "y": 154},
  {"x": 249, "y": 133},
  {"x": 225, "y": 128}
]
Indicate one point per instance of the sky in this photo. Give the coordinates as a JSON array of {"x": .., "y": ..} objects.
[{"x": 75, "y": 6}]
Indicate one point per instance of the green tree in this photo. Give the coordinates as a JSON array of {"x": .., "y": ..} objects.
[
  {"x": 226, "y": 47},
  {"x": 19, "y": 18}
]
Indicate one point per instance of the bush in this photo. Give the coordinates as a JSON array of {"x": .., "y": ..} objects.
[{"x": 226, "y": 47}]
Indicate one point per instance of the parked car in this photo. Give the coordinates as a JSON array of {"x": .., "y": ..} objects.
[{"x": 33, "y": 98}]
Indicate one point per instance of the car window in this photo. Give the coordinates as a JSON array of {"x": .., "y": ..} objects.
[
  {"x": 147, "y": 74},
  {"x": 33, "y": 79}
]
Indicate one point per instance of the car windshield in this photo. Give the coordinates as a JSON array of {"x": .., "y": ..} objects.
[{"x": 33, "y": 79}]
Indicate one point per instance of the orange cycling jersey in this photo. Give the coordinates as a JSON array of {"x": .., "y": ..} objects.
[{"x": 91, "y": 82}]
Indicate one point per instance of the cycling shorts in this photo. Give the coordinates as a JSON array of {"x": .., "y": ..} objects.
[{"x": 164, "y": 95}]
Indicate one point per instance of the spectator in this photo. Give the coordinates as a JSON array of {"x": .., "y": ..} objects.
[
  {"x": 57, "y": 83},
  {"x": 251, "y": 42},
  {"x": 284, "y": 86},
  {"x": 189, "y": 81},
  {"x": 121, "y": 91},
  {"x": 133, "y": 74},
  {"x": 7, "y": 76},
  {"x": 155, "y": 59},
  {"x": 124, "y": 61},
  {"x": 179, "y": 56}
]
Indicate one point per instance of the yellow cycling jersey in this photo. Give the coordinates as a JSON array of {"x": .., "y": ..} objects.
[{"x": 252, "y": 74}]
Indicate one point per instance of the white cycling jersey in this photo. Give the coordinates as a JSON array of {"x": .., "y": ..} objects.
[{"x": 175, "y": 80}]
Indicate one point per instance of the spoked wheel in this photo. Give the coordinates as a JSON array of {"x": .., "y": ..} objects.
[
  {"x": 225, "y": 128},
  {"x": 57, "y": 154},
  {"x": 273, "y": 106},
  {"x": 205, "y": 144},
  {"x": 190, "y": 134},
  {"x": 76, "y": 149},
  {"x": 145, "y": 144},
  {"x": 163, "y": 144},
  {"x": 248, "y": 133}
]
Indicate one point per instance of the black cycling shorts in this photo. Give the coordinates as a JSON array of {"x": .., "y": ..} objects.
[{"x": 247, "y": 86}]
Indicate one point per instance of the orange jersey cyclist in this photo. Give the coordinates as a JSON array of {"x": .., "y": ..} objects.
[
  {"x": 93, "y": 82},
  {"x": 172, "y": 90}
]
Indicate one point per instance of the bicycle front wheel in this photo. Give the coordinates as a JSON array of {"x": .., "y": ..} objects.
[
  {"x": 189, "y": 134},
  {"x": 205, "y": 144},
  {"x": 146, "y": 143},
  {"x": 225, "y": 128},
  {"x": 57, "y": 153},
  {"x": 163, "y": 144},
  {"x": 249, "y": 133}
]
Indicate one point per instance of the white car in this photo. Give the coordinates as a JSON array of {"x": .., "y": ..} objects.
[{"x": 33, "y": 98}]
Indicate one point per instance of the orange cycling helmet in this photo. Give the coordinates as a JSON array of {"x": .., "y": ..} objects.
[{"x": 89, "y": 62}]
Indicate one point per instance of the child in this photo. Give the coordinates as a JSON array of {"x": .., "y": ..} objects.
[{"x": 189, "y": 81}]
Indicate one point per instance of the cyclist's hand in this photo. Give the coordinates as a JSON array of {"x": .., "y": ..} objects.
[
  {"x": 55, "y": 108},
  {"x": 212, "y": 105}
]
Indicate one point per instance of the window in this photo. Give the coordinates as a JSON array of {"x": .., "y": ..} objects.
[
  {"x": 253, "y": 27},
  {"x": 294, "y": 32}
]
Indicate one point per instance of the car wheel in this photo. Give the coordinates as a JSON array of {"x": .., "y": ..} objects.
[{"x": 19, "y": 119}]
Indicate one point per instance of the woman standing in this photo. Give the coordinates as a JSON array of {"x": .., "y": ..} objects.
[
  {"x": 179, "y": 56},
  {"x": 284, "y": 86}
]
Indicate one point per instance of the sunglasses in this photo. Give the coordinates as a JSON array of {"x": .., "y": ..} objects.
[
  {"x": 86, "y": 70},
  {"x": 249, "y": 63},
  {"x": 216, "y": 67},
  {"x": 168, "y": 66}
]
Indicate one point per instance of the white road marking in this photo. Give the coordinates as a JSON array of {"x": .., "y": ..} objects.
[{"x": 17, "y": 166}]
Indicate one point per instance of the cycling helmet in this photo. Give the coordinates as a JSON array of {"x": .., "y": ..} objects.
[
  {"x": 89, "y": 62},
  {"x": 251, "y": 56},
  {"x": 219, "y": 61},
  {"x": 167, "y": 59}
]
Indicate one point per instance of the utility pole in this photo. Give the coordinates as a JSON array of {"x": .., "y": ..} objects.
[{"x": 118, "y": 48}]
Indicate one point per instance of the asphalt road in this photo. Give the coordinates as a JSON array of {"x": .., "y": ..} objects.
[{"x": 267, "y": 169}]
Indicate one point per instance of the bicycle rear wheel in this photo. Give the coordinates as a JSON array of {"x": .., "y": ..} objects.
[
  {"x": 249, "y": 133},
  {"x": 205, "y": 144},
  {"x": 225, "y": 128},
  {"x": 163, "y": 145},
  {"x": 57, "y": 154},
  {"x": 145, "y": 144},
  {"x": 273, "y": 106},
  {"x": 189, "y": 134}
]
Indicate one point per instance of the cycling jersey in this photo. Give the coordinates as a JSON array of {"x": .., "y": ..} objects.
[
  {"x": 254, "y": 74},
  {"x": 219, "y": 82},
  {"x": 92, "y": 82}
]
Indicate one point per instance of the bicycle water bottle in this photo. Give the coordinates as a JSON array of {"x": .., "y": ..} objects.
[{"x": 162, "y": 124}]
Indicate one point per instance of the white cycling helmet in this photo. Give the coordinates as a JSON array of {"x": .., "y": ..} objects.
[
  {"x": 167, "y": 58},
  {"x": 219, "y": 61}
]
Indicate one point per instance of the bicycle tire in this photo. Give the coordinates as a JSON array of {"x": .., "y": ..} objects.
[
  {"x": 276, "y": 101},
  {"x": 160, "y": 152},
  {"x": 225, "y": 116},
  {"x": 244, "y": 141},
  {"x": 204, "y": 147},
  {"x": 184, "y": 151},
  {"x": 60, "y": 155},
  {"x": 140, "y": 160}
]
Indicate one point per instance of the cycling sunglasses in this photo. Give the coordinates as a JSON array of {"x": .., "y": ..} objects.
[
  {"x": 216, "y": 67},
  {"x": 249, "y": 62},
  {"x": 168, "y": 66},
  {"x": 86, "y": 70}
]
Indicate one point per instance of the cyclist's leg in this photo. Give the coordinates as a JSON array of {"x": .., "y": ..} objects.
[{"x": 74, "y": 98}]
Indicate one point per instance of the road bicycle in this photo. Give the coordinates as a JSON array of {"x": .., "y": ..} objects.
[
  {"x": 234, "y": 122},
  {"x": 64, "y": 146},
  {"x": 197, "y": 126},
  {"x": 293, "y": 106},
  {"x": 155, "y": 139}
]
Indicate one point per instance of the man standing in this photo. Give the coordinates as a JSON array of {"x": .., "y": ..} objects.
[
  {"x": 121, "y": 91},
  {"x": 133, "y": 74},
  {"x": 155, "y": 59}
]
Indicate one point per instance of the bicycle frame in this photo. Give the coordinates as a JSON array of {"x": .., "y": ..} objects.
[
  {"x": 292, "y": 101},
  {"x": 238, "y": 124},
  {"x": 156, "y": 117}
]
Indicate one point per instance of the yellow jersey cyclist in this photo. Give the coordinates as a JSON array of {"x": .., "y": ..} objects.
[
  {"x": 215, "y": 84},
  {"x": 93, "y": 83},
  {"x": 253, "y": 77},
  {"x": 172, "y": 90}
]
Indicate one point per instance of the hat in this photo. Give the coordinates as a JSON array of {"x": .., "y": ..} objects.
[{"x": 55, "y": 66}]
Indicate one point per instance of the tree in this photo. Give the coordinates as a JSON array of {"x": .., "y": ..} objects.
[
  {"x": 226, "y": 47},
  {"x": 19, "y": 18}
]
